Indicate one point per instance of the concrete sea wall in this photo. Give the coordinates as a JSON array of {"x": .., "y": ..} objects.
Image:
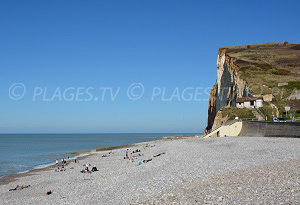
[{"x": 270, "y": 129}]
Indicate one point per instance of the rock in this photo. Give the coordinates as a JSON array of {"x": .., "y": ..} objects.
[{"x": 228, "y": 87}]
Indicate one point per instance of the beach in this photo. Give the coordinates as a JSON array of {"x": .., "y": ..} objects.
[{"x": 234, "y": 170}]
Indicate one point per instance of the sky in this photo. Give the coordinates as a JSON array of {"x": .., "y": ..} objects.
[{"x": 102, "y": 66}]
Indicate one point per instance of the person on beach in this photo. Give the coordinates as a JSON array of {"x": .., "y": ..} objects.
[
  {"x": 94, "y": 169},
  {"x": 56, "y": 162},
  {"x": 19, "y": 187},
  {"x": 87, "y": 169},
  {"x": 126, "y": 154}
]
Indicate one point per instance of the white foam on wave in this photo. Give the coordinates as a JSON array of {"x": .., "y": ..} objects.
[
  {"x": 22, "y": 172},
  {"x": 44, "y": 165}
]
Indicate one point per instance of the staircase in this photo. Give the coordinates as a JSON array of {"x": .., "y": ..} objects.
[{"x": 258, "y": 115}]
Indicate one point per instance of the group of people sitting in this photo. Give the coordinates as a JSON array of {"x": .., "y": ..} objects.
[
  {"x": 135, "y": 151},
  {"x": 131, "y": 157},
  {"x": 62, "y": 169},
  {"x": 87, "y": 170}
]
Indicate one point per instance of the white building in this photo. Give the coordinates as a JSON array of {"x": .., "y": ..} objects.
[{"x": 249, "y": 102}]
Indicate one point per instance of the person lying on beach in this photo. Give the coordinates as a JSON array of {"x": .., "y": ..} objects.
[
  {"x": 147, "y": 160},
  {"x": 159, "y": 154},
  {"x": 94, "y": 169},
  {"x": 48, "y": 192},
  {"x": 20, "y": 187},
  {"x": 105, "y": 155}
]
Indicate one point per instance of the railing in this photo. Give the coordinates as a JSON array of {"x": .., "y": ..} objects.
[{"x": 249, "y": 119}]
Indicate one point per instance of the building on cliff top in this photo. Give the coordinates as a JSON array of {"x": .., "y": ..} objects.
[{"x": 249, "y": 102}]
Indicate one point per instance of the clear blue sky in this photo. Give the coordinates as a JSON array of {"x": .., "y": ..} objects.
[{"x": 159, "y": 43}]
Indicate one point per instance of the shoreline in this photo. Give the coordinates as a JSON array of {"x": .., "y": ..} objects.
[
  {"x": 169, "y": 171},
  {"x": 7, "y": 179}
]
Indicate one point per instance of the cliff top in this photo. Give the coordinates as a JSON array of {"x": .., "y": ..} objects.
[{"x": 268, "y": 64}]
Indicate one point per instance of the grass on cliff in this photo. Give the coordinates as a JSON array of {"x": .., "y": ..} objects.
[
  {"x": 242, "y": 113},
  {"x": 268, "y": 65},
  {"x": 273, "y": 63}
]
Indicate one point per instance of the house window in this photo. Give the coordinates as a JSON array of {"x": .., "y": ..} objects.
[{"x": 252, "y": 103}]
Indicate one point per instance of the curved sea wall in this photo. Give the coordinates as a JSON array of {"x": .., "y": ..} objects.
[{"x": 228, "y": 87}]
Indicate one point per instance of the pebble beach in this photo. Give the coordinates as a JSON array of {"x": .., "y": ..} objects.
[{"x": 231, "y": 170}]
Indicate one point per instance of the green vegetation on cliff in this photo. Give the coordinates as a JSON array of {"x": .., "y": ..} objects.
[
  {"x": 267, "y": 68},
  {"x": 231, "y": 112},
  {"x": 268, "y": 65}
]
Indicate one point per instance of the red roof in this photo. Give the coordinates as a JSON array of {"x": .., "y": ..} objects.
[{"x": 244, "y": 99}]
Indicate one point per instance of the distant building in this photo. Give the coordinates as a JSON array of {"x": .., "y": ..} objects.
[{"x": 249, "y": 102}]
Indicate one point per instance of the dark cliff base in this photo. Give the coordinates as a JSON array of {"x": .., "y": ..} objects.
[{"x": 270, "y": 129}]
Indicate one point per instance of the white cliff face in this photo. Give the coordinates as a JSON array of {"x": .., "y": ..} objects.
[
  {"x": 229, "y": 86},
  {"x": 220, "y": 63}
]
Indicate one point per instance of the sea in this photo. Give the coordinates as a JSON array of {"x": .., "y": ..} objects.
[{"x": 23, "y": 152}]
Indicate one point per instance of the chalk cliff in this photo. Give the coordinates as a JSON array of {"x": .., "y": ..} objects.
[
  {"x": 228, "y": 87},
  {"x": 271, "y": 71}
]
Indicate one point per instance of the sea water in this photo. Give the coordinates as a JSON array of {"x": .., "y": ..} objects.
[{"x": 23, "y": 152}]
